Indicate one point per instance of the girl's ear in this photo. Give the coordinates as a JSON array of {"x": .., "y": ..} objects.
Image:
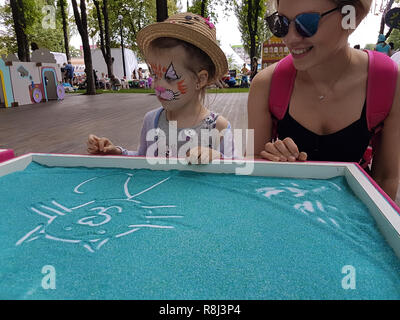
[{"x": 202, "y": 78}]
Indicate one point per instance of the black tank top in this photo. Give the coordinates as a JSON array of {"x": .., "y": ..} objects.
[{"x": 346, "y": 145}]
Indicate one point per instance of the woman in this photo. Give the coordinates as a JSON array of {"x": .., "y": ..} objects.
[{"x": 326, "y": 117}]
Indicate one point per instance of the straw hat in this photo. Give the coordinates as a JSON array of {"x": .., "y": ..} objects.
[{"x": 191, "y": 28}]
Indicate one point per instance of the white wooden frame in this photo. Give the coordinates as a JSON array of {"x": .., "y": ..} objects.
[{"x": 384, "y": 211}]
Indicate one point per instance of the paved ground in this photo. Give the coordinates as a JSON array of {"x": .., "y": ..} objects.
[{"x": 63, "y": 127}]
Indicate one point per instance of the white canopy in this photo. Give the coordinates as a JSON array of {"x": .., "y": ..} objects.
[
  {"x": 60, "y": 57},
  {"x": 396, "y": 57},
  {"x": 130, "y": 63},
  {"x": 236, "y": 60}
]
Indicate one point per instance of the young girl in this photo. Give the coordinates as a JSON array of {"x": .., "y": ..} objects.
[{"x": 184, "y": 58}]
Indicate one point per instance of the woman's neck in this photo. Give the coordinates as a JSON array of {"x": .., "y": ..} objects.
[{"x": 327, "y": 73}]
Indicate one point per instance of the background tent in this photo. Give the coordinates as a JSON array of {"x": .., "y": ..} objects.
[
  {"x": 234, "y": 60},
  {"x": 61, "y": 58},
  {"x": 100, "y": 66}
]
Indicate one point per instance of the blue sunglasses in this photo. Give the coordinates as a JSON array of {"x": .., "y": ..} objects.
[{"x": 306, "y": 23}]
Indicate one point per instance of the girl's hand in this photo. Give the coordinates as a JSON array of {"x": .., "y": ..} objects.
[
  {"x": 202, "y": 155},
  {"x": 96, "y": 145},
  {"x": 283, "y": 150}
]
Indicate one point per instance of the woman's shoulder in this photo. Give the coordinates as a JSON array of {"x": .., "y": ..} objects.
[{"x": 260, "y": 85}]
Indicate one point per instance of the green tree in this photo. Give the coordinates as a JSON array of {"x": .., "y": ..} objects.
[
  {"x": 395, "y": 38},
  {"x": 81, "y": 21},
  {"x": 105, "y": 40},
  {"x": 63, "y": 5},
  {"x": 19, "y": 22},
  {"x": 208, "y": 8},
  {"x": 250, "y": 14},
  {"x": 136, "y": 15},
  {"x": 35, "y": 27},
  {"x": 74, "y": 52}
]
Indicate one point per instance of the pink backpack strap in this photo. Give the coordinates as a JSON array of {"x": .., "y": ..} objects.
[
  {"x": 281, "y": 88},
  {"x": 382, "y": 80}
]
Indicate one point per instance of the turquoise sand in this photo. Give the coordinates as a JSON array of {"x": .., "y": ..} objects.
[{"x": 141, "y": 234}]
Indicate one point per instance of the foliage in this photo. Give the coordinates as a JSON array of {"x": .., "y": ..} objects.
[
  {"x": 395, "y": 38},
  {"x": 136, "y": 15},
  {"x": 51, "y": 39},
  {"x": 262, "y": 32},
  {"x": 211, "y": 8}
]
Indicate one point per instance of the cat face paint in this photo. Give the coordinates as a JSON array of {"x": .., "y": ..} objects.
[
  {"x": 166, "y": 94},
  {"x": 169, "y": 74}
]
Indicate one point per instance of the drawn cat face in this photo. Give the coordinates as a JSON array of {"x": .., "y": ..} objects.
[{"x": 92, "y": 224}]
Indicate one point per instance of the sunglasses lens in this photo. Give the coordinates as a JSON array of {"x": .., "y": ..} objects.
[
  {"x": 278, "y": 25},
  {"x": 307, "y": 24}
]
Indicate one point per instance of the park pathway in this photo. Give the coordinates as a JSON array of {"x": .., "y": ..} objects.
[{"x": 63, "y": 127}]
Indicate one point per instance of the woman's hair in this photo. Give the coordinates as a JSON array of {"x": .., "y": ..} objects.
[{"x": 196, "y": 59}]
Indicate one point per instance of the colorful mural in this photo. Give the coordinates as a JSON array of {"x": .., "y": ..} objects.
[{"x": 24, "y": 83}]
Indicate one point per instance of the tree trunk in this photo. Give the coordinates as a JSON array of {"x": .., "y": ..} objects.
[
  {"x": 388, "y": 7},
  {"x": 387, "y": 35},
  {"x": 17, "y": 8},
  {"x": 162, "y": 10},
  {"x": 63, "y": 6},
  {"x": 81, "y": 23},
  {"x": 105, "y": 45},
  {"x": 108, "y": 58},
  {"x": 252, "y": 23},
  {"x": 203, "y": 7}
]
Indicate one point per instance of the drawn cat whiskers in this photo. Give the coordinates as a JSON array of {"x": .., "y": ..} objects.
[{"x": 88, "y": 230}]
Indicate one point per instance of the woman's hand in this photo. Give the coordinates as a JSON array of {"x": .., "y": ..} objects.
[
  {"x": 202, "y": 155},
  {"x": 96, "y": 145},
  {"x": 283, "y": 150}
]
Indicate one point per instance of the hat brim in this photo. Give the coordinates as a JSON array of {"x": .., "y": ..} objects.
[{"x": 181, "y": 32}]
